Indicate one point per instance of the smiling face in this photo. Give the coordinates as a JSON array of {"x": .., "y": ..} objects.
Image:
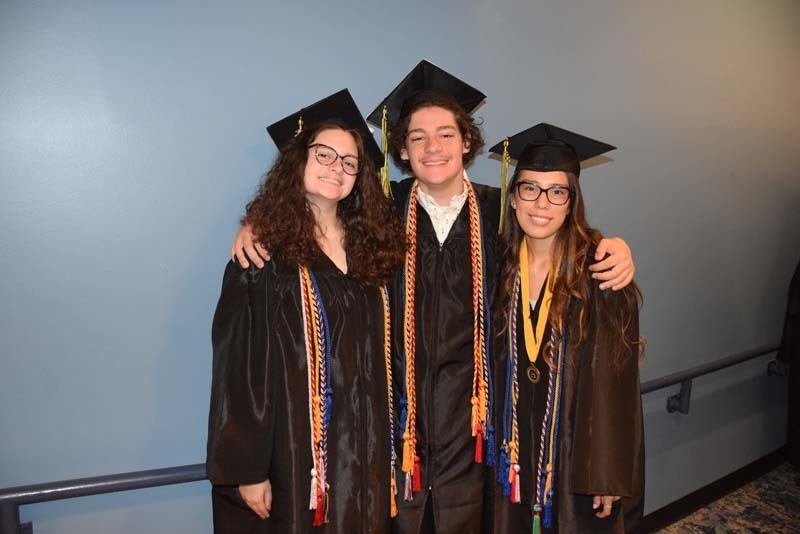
[
  {"x": 540, "y": 219},
  {"x": 435, "y": 149},
  {"x": 328, "y": 184}
]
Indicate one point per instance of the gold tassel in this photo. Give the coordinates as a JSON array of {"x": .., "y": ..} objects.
[
  {"x": 393, "y": 498},
  {"x": 408, "y": 457},
  {"x": 299, "y": 126},
  {"x": 503, "y": 184},
  {"x": 475, "y": 417},
  {"x": 387, "y": 190},
  {"x": 548, "y": 481}
]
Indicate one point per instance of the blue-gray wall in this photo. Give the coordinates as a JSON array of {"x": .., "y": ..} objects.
[{"x": 132, "y": 134}]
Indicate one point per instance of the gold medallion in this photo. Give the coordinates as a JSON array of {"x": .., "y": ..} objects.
[{"x": 533, "y": 374}]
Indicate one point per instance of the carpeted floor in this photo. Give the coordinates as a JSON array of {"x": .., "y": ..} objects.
[{"x": 770, "y": 504}]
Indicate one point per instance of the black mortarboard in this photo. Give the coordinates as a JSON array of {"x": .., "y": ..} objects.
[
  {"x": 425, "y": 76},
  {"x": 545, "y": 147},
  {"x": 338, "y": 106}
]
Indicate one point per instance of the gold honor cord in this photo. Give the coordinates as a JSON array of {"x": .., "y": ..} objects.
[
  {"x": 385, "y": 149},
  {"x": 503, "y": 184},
  {"x": 532, "y": 343}
]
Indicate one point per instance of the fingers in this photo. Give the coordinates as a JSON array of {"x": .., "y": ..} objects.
[
  {"x": 252, "y": 253},
  {"x": 602, "y": 249},
  {"x": 604, "y": 503},
  {"x": 268, "y": 497},
  {"x": 602, "y": 266},
  {"x": 616, "y": 270},
  {"x": 614, "y": 275},
  {"x": 605, "y": 511},
  {"x": 257, "y": 505},
  {"x": 262, "y": 252},
  {"x": 254, "y": 496},
  {"x": 245, "y": 248},
  {"x": 237, "y": 252},
  {"x": 625, "y": 282},
  {"x": 609, "y": 253},
  {"x": 616, "y": 278}
]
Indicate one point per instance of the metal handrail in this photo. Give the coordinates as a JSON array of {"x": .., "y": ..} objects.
[
  {"x": 706, "y": 368},
  {"x": 83, "y": 487},
  {"x": 12, "y": 498}
]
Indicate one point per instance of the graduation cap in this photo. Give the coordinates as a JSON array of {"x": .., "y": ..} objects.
[
  {"x": 338, "y": 106},
  {"x": 424, "y": 79},
  {"x": 546, "y": 148}
]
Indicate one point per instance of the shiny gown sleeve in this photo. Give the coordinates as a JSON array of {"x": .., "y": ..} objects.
[
  {"x": 608, "y": 450},
  {"x": 242, "y": 413}
]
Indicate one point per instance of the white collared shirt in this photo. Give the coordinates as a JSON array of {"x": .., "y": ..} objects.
[{"x": 442, "y": 217}]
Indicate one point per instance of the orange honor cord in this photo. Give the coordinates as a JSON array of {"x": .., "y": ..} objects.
[
  {"x": 318, "y": 357},
  {"x": 480, "y": 381},
  {"x": 387, "y": 357},
  {"x": 480, "y": 421},
  {"x": 317, "y": 341},
  {"x": 409, "y": 347}
]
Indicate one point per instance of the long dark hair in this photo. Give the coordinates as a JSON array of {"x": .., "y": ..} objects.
[
  {"x": 573, "y": 248},
  {"x": 283, "y": 222}
]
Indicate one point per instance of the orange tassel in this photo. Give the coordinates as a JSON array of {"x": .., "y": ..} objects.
[
  {"x": 474, "y": 419},
  {"x": 392, "y": 498},
  {"x": 408, "y": 459}
]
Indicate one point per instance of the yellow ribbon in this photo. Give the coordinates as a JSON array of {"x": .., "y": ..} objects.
[{"x": 533, "y": 343}]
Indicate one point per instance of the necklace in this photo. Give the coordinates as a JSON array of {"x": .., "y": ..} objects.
[{"x": 533, "y": 340}]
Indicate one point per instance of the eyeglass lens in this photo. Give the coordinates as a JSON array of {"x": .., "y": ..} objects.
[
  {"x": 556, "y": 194},
  {"x": 328, "y": 156}
]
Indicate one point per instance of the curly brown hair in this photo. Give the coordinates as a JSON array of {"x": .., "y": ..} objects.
[
  {"x": 283, "y": 222},
  {"x": 573, "y": 249},
  {"x": 469, "y": 128}
]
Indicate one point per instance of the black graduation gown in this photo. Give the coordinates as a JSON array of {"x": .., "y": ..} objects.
[
  {"x": 444, "y": 368},
  {"x": 259, "y": 417},
  {"x": 789, "y": 353},
  {"x": 600, "y": 434}
]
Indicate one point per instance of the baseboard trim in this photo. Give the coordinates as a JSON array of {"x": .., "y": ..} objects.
[{"x": 669, "y": 514}]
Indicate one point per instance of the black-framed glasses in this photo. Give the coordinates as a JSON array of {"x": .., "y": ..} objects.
[
  {"x": 557, "y": 195},
  {"x": 327, "y": 156}
]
